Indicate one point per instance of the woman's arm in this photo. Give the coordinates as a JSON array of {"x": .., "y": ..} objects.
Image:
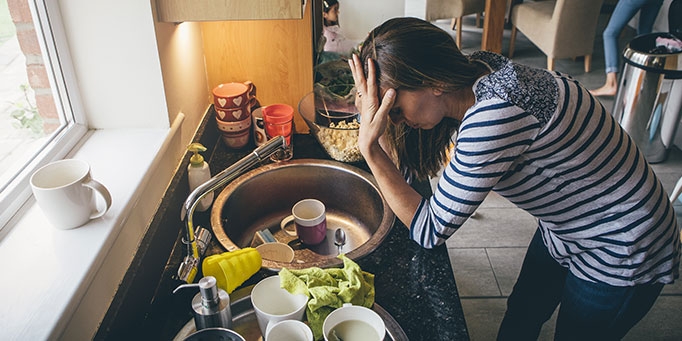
[{"x": 400, "y": 196}]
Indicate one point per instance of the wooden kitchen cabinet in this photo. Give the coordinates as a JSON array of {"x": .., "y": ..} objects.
[
  {"x": 276, "y": 55},
  {"x": 219, "y": 10}
]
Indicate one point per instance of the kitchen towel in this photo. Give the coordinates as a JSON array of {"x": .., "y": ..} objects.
[{"x": 328, "y": 289}]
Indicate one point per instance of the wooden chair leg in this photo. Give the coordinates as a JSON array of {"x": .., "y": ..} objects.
[
  {"x": 550, "y": 63},
  {"x": 459, "y": 32},
  {"x": 588, "y": 63},
  {"x": 478, "y": 20},
  {"x": 511, "y": 42},
  {"x": 453, "y": 23}
]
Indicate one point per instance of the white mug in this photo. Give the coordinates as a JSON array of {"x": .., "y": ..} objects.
[
  {"x": 288, "y": 330},
  {"x": 64, "y": 191},
  {"x": 352, "y": 323},
  {"x": 273, "y": 304}
]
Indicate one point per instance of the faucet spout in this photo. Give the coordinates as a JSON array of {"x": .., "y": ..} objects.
[{"x": 197, "y": 240}]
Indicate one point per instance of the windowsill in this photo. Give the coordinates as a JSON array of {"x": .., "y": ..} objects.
[{"x": 47, "y": 271}]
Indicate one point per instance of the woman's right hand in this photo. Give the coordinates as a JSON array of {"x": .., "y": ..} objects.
[{"x": 373, "y": 113}]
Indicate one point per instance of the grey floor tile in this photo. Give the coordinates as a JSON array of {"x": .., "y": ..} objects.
[
  {"x": 495, "y": 227},
  {"x": 668, "y": 180},
  {"x": 506, "y": 263},
  {"x": 663, "y": 322},
  {"x": 474, "y": 274},
  {"x": 483, "y": 317},
  {"x": 494, "y": 200},
  {"x": 547, "y": 332},
  {"x": 672, "y": 165},
  {"x": 675, "y": 288}
]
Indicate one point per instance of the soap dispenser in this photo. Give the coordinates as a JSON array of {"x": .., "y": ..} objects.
[
  {"x": 198, "y": 173},
  {"x": 211, "y": 306}
]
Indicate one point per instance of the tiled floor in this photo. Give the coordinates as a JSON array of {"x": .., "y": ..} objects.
[{"x": 487, "y": 252}]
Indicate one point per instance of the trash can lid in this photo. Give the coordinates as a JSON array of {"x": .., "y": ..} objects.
[{"x": 645, "y": 53}]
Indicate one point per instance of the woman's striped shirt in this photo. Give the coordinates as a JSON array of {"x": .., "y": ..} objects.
[{"x": 540, "y": 140}]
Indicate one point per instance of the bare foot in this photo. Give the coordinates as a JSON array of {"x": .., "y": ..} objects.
[
  {"x": 610, "y": 86},
  {"x": 605, "y": 90}
]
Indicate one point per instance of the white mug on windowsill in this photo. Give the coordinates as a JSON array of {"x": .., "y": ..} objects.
[{"x": 65, "y": 192}]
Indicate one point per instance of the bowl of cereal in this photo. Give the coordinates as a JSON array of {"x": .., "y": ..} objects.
[{"x": 335, "y": 123}]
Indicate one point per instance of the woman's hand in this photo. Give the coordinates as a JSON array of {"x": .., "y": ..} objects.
[{"x": 374, "y": 114}]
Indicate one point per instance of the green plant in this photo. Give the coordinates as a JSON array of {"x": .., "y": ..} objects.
[{"x": 26, "y": 115}]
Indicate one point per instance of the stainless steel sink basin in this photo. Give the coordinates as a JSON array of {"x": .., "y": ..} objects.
[{"x": 261, "y": 198}]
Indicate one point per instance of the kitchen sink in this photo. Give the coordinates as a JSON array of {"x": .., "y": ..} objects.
[{"x": 261, "y": 198}]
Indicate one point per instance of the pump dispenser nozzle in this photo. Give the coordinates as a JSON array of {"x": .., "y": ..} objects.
[
  {"x": 195, "y": 148},
  {"x": 198, "y": 172},
  {"x": 211, "y": 305}
]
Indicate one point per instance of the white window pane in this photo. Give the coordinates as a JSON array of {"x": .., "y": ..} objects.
[{"x": 36, "y": 122}]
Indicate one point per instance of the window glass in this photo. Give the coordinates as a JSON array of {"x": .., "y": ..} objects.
[{"x": 36, "y": 120}]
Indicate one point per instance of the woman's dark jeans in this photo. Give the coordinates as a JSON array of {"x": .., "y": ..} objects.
[{"x": 588, "y": 310}]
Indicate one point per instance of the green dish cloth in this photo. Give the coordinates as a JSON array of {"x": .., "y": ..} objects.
[{"x": 328, "y": 289}]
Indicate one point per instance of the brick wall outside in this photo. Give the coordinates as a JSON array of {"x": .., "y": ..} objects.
[{"x": 35, "y": 66}]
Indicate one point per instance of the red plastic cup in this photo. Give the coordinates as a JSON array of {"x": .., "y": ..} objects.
[{"x": 279, "y": 121}]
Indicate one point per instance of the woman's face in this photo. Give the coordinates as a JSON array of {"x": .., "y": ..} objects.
[
  {"x": 332, "y": 14},
  {"x": 423, "y": 108}
]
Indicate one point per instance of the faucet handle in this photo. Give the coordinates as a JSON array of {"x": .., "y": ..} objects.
[{"x": 187, "y": 270}]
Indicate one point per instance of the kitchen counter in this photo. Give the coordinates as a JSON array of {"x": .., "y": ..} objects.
[{"x": 415, "y": 285}]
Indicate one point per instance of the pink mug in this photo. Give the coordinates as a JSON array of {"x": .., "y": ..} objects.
[
  {"x": 310, "y": 220},
  {"x": 233, "y": 101},
  {"x": 232, "y": 115}
]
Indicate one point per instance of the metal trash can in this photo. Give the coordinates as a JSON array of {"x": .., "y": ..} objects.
[{"x": 648, "y": 101}]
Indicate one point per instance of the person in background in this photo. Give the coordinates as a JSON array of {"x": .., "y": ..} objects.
[
  {"x": 607, "y": 238},
  {"x": 625, "y": 10},
  {"x": 336, "y": 41}
]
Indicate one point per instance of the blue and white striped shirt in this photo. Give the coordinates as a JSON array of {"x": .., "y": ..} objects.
[{"x": 540, "y": 140}]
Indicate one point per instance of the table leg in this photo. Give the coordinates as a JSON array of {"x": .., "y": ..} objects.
[{"x": 493, "y": 25}]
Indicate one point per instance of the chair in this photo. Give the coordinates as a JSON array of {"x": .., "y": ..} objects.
[
  {"x": 455, "y": 9},
  {"x": 560, "y": 29}
]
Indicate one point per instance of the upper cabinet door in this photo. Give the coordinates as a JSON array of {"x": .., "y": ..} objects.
[{"x": 219, "y": 10}]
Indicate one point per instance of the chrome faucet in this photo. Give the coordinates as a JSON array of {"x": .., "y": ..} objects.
[{"x": 197, "y": 240}]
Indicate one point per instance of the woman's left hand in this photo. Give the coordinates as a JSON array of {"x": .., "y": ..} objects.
[{"x": 374, "y": 114}]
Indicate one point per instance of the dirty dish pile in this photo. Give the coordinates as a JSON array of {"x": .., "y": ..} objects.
[{"x": 245, "y": 322}]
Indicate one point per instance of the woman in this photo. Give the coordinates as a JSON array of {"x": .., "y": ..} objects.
[
  {"x": 625, "y": 10},
  {"x": 607, "y": 238}
]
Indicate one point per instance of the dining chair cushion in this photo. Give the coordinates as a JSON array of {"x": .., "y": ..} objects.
[
  {"x": 447, "y": 9},
  {"x": 561, "y": 29}
]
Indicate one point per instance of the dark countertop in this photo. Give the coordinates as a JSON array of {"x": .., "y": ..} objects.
[{"x": 415, "y": 285}]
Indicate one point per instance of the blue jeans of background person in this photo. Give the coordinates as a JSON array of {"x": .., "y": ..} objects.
[
  {"x": 588, "y": 310},
  {"x": 624, "y": 11}
]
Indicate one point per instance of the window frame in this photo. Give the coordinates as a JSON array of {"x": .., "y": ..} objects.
[{"x": 49, "y": 26}]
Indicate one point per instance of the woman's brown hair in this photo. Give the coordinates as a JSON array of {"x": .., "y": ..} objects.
[{"x": 412, "y": 54}]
